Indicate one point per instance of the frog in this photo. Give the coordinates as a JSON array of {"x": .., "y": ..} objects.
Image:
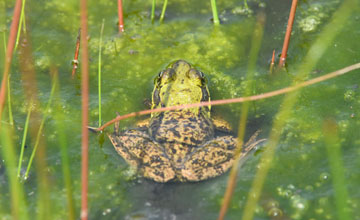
[{"x": 182, "y": 145}]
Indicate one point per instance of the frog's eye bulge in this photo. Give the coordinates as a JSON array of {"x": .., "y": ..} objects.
[
  {"x": 195, "y": 76},
  {"x": 167, "y": 76}
]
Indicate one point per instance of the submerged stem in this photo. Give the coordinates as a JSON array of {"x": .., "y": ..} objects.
[
  {"x": 215, "y": 13},
  {"x": 163, "y": 11},
  {"x": 21, "y": 24},
  {"x": 40, "y": 130},
  {"x": 24, "y": 138},
  {"x": 99, "y": 69},
  {"x": 153, "y": 10},
  {"x": 11, "y": 118}
]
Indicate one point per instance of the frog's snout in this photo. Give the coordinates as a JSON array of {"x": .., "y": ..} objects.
[{"x": 181, "y": 65}]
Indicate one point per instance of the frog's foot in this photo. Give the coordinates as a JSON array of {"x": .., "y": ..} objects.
[
  {"x": 210, "y": 160},
  {"x": 146, "y": 155}
]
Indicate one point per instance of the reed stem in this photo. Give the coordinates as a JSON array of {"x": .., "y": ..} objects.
[
  {"x": 288, "y": 34},
  {"x": 65, "y": 162},
  {"x": 337, "y": 169},
  {"x": 153, "y": 10},
  {"x": 8, "y": 56},
  {"x": 47, "y": 109},
  {"x": 120, "y": 15},
  {"x": 24, "y": 138},
  {"x": 84, "y": 111},
  {"x": 215, "y": 13},
  {"x": 22, "y": 23},
  {"x": 11, "y": 118},
  {"x": 163, "y": 11},
  {"x": 17, "y": 198},
  {"x": 255, "y": 47},
  {"x": 99, "y": 69}
]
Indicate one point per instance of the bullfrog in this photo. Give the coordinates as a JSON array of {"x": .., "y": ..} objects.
[{"x": 184, "y": 145}]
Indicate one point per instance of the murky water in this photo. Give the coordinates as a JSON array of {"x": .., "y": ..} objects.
[{"x": 299, "y": 184}]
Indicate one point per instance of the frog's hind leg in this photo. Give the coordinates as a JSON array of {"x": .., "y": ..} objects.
[
  {"x": 215, "y": 157},
  {"x": 210, "y": 160},
  {"x": 146, "y": 155}
]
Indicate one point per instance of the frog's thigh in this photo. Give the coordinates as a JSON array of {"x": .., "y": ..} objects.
[
  {"x": 137, "y": 148},
  {"x": 155, "y": 164},
  {"x": 212, "y": 159},
  {"x": 129, "y": 145}
]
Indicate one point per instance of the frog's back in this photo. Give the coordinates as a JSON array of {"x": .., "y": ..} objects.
[{"x": 181, "y": 127}]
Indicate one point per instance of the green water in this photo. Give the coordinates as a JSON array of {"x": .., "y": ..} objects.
[{"x": 300, "y": 182}]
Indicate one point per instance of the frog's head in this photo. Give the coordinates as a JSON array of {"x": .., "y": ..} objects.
[{"x": 180, "y": 84}]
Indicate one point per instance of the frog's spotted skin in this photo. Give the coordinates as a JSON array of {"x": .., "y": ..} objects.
[{"x": 178, "y": 145}]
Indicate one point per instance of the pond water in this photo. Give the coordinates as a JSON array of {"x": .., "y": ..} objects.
[{"x": 299, "y": 184}]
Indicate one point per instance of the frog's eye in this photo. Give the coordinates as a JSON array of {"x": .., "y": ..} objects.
[
  {"x": 167, "y": 75},
  {"x": 196, "y": 75}
]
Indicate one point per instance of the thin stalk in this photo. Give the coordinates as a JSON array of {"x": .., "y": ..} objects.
[
  {"x": 333, "y": 148},
  {"x": 4, "y": 41},
  {"x": 272, "y": 64},
  {"x": 8, "y": 57},
  {"x": 99, "y": 69},
  {"x": 75, "y": 61},
  {"x": 153, "y": 10},
  {"x": 24, "y": 138},
  {"x": 288, "y": 33},
  {"x": 11, "y": 118},
  {"x": 120, "y": 15},
  {"x": 18, "y": 203},
  {"x": 40, "y": 131},
  {"x": 255, "y": 47},
  {"x": 163, "y": 11},
  {"x": 22, "y": 23},
  {"x": 237, "y": 100},
  {"x": 313, "y": 56},
  {"x": 28, "y": 76},
  {"x": 85, "y": 111},
  {"x": 215, "y": 13},
  {"x": 62, "y": 139}
]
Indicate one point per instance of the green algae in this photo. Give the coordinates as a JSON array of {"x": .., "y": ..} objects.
[{"x": 300, "y": 180}]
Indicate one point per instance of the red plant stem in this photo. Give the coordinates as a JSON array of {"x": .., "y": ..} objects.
[
  {"x": 120, "y": 15},
  {"x": 288, "y": 33},
  {"x": 76, "y": 56},
  {"x": 237, "y": 100},
  {"x": 85, "y": 113},
  {"x": 272, "y": 62},
  {"x": 9, "y": 52}
]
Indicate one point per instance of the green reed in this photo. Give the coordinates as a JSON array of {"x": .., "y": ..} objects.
[
  {"x": 22, "y": 23},
  {"x": 99, "y": 69},
  {"x": 333, "y": 148},
  {"x": 163, "y": 11},
  {"x": 40, "y": 130},
  {"x": 215, "y": 13},
  {"x": 24, "y": 138},
  {"x": 153, "y": 10},
  {"x": 313, "y": 56},
  {"x": 254, "y": 54},
  {"x": 11, "y": 118},
  {"x": 59, "y": 119},
  {"x": 17, "y": 200}
]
